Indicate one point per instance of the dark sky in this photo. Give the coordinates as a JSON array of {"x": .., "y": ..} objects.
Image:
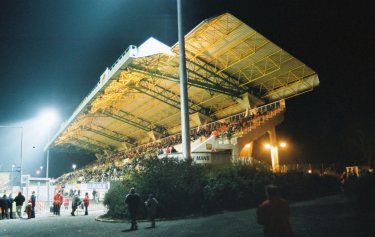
[{"x": 53, "y": 52}]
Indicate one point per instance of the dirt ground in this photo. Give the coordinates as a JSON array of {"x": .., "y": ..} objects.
[{"x": 328, "y": 216}]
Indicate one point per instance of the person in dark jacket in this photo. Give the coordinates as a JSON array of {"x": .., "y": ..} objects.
[
  {"x": 76, "y": 202},
  {"x": 133, "y": 201},
  {"x": 10, "y": 198},
  {"x": 33, "y": 200},
  {"x": 19, "y": 200},
  {"x": 152, "y": 206},
  {"x": 4, "y": 202}
]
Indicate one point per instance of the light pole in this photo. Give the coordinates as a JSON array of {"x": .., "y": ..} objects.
[
  {"x": 48, "y": 118},
  {"x": 185, "y": 133},
  {"x": 21, "y": 141},
  {"x": 41, "y": 169},
  {"x": 11, "y": 175},
  {"x": 74, "y": 166},
  {"x": 274, "y": 149}
]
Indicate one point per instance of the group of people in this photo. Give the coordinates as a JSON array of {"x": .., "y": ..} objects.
[
  {"x": 111, "y": 167},
  {"x": 273, "y": 213},
  {"x": 59, "y": 199},
  {"x": 133, "y": 202},
  {"x": 6, "y": 205}
]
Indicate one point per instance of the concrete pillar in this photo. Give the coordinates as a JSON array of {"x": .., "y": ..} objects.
[
  {"x": 247, "y": 150},
  {"x": 274, "y": 149}
]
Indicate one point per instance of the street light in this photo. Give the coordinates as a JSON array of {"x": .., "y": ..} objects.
[
  {"x": 21, "y": 141},
  {"x": 48, "y": 118},
  {"x": 37, "y": 172},
  {"x": 11, "y": 176},
  {"x": 41, "y": 169},
  {"x": 275, "y": 154},
  {"x": 74, "y": 166}
]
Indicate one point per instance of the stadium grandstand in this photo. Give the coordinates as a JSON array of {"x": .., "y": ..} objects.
[{"x": 238, "y": 83}]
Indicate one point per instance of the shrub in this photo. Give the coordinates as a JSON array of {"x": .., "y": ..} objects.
[{"x": 184, "y": 189}]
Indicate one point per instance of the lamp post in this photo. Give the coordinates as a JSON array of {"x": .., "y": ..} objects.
[
  {"x": 21, "y": 143},
  {"x": 74, "y": 166},
  {"x": 12, "y": 176},
  {"x": 48, "y": 118},
  {"x": 274, "y": 149},
  {"x": 183, "y": 87}
]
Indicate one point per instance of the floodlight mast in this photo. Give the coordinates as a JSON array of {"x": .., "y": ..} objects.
[
  {"x": 21, "y": 144},
  {"x": 185, "y": 133}
]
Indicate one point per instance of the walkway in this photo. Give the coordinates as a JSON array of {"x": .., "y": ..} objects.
[{"x": 329, "y": 216}]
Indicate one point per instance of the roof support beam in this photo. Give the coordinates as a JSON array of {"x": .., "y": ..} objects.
[
  {"x": 135, "y": 121},
  {"x": 104, "y": 134},
  {"x": 168, "y": 97},
  {"x": 202, "y": 83}
]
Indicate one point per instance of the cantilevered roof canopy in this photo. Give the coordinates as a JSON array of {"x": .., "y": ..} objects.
[{"x": 138, "y": 97}]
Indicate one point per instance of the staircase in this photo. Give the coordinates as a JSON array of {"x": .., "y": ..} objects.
[{"x": 259, "y": 126}]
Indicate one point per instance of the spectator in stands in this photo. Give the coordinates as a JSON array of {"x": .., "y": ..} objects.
[
  {"x": 133, "y": 201},
  {"x": 19, "y": 200},
  {"x": 273, "y": 214},
  {"x": 173, "y": 150},
  {"x": 86, "y": 202}
]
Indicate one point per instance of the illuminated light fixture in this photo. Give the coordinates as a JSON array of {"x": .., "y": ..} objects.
[
  {"x": 282, "y": 144},
  {"x": 48, "y": 117},
  {"x": 309, "y": 171},
  {"x": 247, "y": 145},
  {"x": 268, "y": 146}
]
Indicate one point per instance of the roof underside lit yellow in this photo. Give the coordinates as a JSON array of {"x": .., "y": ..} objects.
[{"x": 140, "y": 94}]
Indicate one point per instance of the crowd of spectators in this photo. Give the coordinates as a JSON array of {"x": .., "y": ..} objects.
[{"x": 113, "y": 165}]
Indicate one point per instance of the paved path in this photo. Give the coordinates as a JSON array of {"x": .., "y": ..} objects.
[{"x": 329, "y": 216}]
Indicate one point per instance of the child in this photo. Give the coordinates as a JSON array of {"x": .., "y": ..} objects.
[
  {"x": 28, "y": 209},
  {"x": 66, "y": 202}
]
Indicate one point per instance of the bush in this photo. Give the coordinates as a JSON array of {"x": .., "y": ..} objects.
[{"x": 185, "y": 189}]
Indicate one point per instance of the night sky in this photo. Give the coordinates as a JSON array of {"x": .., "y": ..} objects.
[{"x": 53, "y": 52}]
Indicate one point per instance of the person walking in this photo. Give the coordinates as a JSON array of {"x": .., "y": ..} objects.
[
  {"x": 10, "y": 199},
  {"x": 133, "y": 201},
  {"x": 75, "y": 203},
  {"x": 273, "y": 214},
  {"x": 19, "y": 200},
  {"x": 152, "y": 206},
  {"x": 33, "y": 200},
  {"x": 86, "y": 202}
]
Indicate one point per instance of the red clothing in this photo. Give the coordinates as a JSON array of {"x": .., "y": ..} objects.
[
  {"x": 273, "y": 214},
  {"x": 66, "y": 201},
  {"x": 57, "y": 199},
  {"x": 86, "y": 200}
]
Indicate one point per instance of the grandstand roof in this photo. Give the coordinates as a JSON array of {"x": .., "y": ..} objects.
[{"x": 138, "y": 97}]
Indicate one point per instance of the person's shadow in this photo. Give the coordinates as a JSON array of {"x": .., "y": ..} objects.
[{"x": 128, "y": 230}]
